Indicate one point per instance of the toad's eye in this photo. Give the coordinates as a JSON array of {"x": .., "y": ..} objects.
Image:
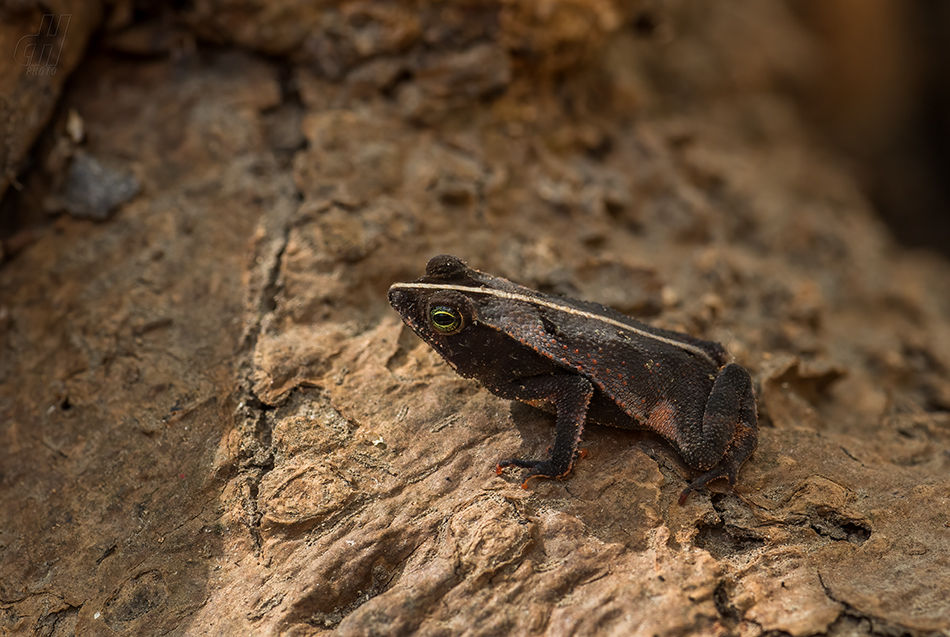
[{"x": 447, "y": 320}]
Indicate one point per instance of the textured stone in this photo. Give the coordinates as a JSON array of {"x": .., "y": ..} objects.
[
  {"x": 42, "y": 42},
  {"x": 211, "y": 422}
]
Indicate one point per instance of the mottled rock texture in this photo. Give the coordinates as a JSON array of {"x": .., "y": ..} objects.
[
  {"x": 212, "y": 423},
  {"x": 40, "y": 45}
]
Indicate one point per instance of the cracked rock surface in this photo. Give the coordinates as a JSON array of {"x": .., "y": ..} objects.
[{"x": 212, "y": 423}]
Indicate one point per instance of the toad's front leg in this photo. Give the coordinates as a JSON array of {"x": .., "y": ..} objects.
[{"x": 569, "y": 395}]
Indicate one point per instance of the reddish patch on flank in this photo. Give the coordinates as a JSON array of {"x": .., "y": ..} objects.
[{"x": 662, "y": 419}]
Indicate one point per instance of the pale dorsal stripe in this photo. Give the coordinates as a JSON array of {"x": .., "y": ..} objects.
[{"x": 560, "y": 308}]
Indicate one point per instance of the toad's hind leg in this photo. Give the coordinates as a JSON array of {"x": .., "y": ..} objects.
[{"x": 730, "y": 429}]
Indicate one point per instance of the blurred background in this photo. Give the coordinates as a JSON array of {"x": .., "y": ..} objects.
[
  {"x": 880, "y": 93},
  {"x": 871, "y": 76}
]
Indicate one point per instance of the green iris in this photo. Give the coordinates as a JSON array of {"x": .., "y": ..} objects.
[{"x": 445, "y": 319}]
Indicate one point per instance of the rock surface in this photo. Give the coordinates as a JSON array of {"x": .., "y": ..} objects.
[
  {"x": 42, "y": 42},
  {"x": 211, "y": 422}
]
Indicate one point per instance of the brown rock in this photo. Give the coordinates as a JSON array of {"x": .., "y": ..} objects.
[
  {"x": 211, "y": 422},
  {"x": 42, "y": 44}
]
